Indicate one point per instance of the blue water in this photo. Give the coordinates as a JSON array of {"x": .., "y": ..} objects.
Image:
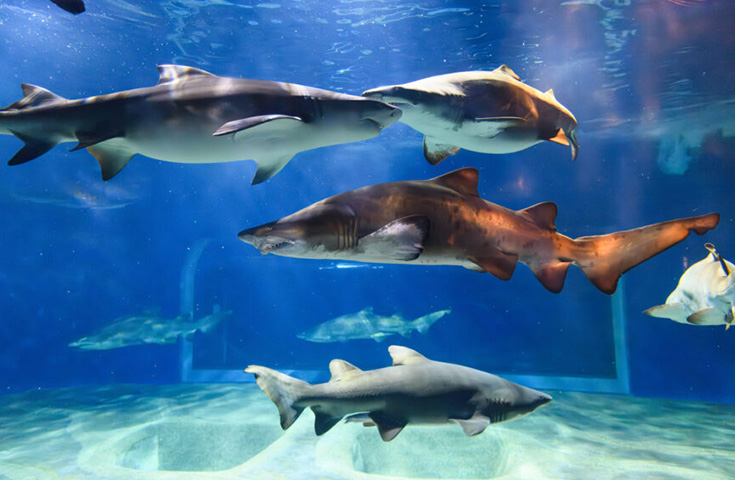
[{"x": 650, "y": 82}]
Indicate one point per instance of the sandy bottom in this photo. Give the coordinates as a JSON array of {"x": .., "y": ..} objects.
[{"x": 231, "y": 431}]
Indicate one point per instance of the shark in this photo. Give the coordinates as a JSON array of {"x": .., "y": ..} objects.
[
  {"x": 444, "y": 221},
  {"x": 146, "y": 328},
  {"x": 487, "y": 112},
  {"x": 193, "y": 116},
  {"x": 705, "y": 294},
  {"x": 366, "y": 324},
  {"x": 72, "y": 6},
  {"x": 413, "y": 391}
]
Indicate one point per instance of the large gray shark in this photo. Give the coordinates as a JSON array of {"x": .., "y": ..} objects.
[
  {"x": 366, "y": 324},
  {"x": 415, "y": 390},
  {"x": 147, "y": 328},
  {"x": 193, "y": 116},
  {"x": 705, "y": 294},
  {"x": 488, "y": 112},
  {"x": 443, "y": 221}
]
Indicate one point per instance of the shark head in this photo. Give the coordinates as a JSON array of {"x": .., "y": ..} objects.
[
  {"x": 356, "y": 118},
  {"x": 313, "y": 232},
  {"x": 516, "y": 402}
]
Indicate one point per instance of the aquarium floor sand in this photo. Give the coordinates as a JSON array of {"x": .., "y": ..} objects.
[{"x": 231, "y": 432}]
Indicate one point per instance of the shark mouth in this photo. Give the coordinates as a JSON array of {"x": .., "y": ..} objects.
[{"x": 273, "y": 247}]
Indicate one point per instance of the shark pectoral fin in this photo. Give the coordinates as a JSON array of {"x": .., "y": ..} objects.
[
  {"x": 112, "y": 157},
  {"x": 405, "y": 356},
  {"x": 667, "y": 310},
  {"x": 268, "y": 167},
  {"x": 551, "y": 275},
  {"x": 435, "y": 152},
  {"x": 388, "y": 426},
  {"x": 499, "y": 264},
  {"x": 323, "y": 421},
  {"x": 342, "y": 370},
  {"x": 559, "y": 138},
  {"x": 706, "y": 316},
  {"x": 402, "y": 239},
  {"x": 33, "y": 148},
  {"x": 474, "y": 425},
  {"x": 245, "y": 123},
  {"x": 87, "y": 139}
]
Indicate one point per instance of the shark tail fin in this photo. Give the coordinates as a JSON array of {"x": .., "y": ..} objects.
[
  {"x": 283, "y": 390},
  {"x": 604, "y": 258},
  {"x": 422, "y": 324}
]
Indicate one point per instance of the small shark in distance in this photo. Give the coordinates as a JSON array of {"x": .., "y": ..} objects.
[
  {"x": 193, "y": 116},
  {"x": 705, "y": 294},
  {"x": 366, "y": 324},
  {"x": 487, "y": 112},
  {"x": 147, "y": 328},
  {"x": 443, "y": 221},
  {"x": 414, "y": 391},
  {"x": 72, "y": 6}
]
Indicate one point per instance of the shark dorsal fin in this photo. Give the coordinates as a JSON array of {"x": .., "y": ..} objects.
[
  {"x": 342, "y": 370},
  {"x": 542, "y": 214},
  {"x": 34, "y": 96},
  {"x": 550, "y": 92},
  {"x": 170, "y": 73},
  {"x": 464, "y": 181},
  {"x": 405, "y": 356},
  {"x": 505, "y": 69}
]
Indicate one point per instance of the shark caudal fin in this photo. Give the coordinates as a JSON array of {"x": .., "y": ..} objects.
[
  {"x": 422, "y": 324},
  {"x": 604, "y": 258},
  {"x": 283, "y": 390}
]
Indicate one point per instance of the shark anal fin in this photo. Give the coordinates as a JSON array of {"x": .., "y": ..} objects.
[
  {"x": 499, "y": 264},
  {"x": 33, "y": 148},
  {"x": 551, "y": 275},
  {"x": 542, "y": 214},
  {"x": 112, "y": 157},
  {"x": 87, "y": 139},
  {"x": 671, "y": 311},
  {"x": 474, "y": 425},
  {"x": 388, "y": 426},
  {"x": 464, "y": 181},
  {"x": 244, "y": 123},
  {"x": 436, "y": 152},
  {"x": 268, "y": 167},
  {"x": 402, "y": 239},
  {"x": 323, "y": 421},
  {"x": 706, "y": 316}
]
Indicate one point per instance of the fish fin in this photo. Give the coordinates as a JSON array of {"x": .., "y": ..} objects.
[
  {"x": 604, "y": 258},
  {"x": 551, "y": 274},
  {"x": 34, "y": 96},
  {"x": 87, "y": 139},
  {"x": 559, "y": 138},
  {"x": 268, "y": 167},
  {"x": 379, "y": 337},
  {"x": 464, "y": 181},
  {"x": 112, "y": 157},
  {"x": 402, "y": 239},
  {"x": 33, "y": 148},
  {"x": 361, "y": 417},
  {"x": 668, "y": 310},
  {"x": 707, "y": 316},
  {"x": 435, "y": 152},
  {"x": 422, "y": 324},
  {"x": 405, "y": 356},
  {"x": 75, "y": 7},
  {"x": 474, "y": 425},
  {"x": 367, "y": 311},
  {"x": 550, "y": 92},
  {"x": 283, "y": 390},
  {"x": 169, "y": 73},
  {"x": 388, "y": 426},
  {"x": 249, "y": 122},
  {"x": 505, "y": 69},
  {"x": 499, "y": 264},
  {"x": 342, "y": 370},
  {"x": 323, "y": 422},
  {"x": 542, "y": 214}
]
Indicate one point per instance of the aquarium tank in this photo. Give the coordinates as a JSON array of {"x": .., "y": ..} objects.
[{"x": 354, "y": 239}]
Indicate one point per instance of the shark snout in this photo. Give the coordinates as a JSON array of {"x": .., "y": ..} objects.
[{"x": 384, "y": 115}]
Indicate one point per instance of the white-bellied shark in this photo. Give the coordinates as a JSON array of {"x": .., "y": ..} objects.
[
  {"x": 366, "y": 324},
  {"x": 146, "y": 328},
  {"x": 705, "y": 294},
  {"x": 488, "y": 112},
  {"x": 443, "y": 221},
  {"x": 193, "y": 116},
  {"x": 414, "y": 391}
]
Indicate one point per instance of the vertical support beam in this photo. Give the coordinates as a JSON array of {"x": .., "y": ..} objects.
[{"x": 620, "y": 320}]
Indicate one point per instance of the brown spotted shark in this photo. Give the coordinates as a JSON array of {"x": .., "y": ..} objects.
[
  {"x": 414, "y": 391},
  {"x": 488, "y": 112},
  {"x": 443, "y": 221},
  {"x": 193, "y": 116}
]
